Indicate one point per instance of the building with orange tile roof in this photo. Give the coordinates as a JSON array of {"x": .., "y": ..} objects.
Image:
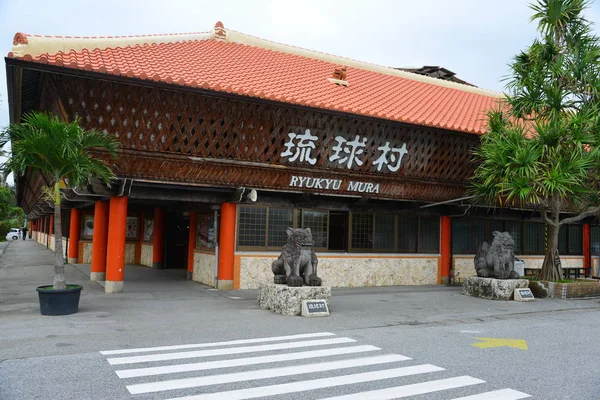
[{"x": 228, "y": 139}]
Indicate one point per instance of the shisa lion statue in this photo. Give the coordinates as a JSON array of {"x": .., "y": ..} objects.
[
  {"x": 498, "y": 259},
  {"x": 297, "y": 263}
]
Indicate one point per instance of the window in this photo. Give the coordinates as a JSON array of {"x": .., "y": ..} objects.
[
  {"x": 514, "y": 229},
  {"x": 469, "y": 233},
  {"x": 317, "y": 222},
  {"x": 205, "y": 232},
  {"x": 264, "y": 228},
  {"x": 407, "y": 234},
  {"x": 595, "y": 239},
  {"x": 362, "y": 231},
  {"x": 384, "y": 232},
  {"x": 252, "y": 226},
  {"x": 534, "y": 242},
  {"x": 279, "y": 220},
  {"x": 429, "y": 235},
  {"x": 570, "y": 240}
]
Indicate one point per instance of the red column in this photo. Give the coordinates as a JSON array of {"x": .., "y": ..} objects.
[
  {"x": 158, "y": 254},
  {"x": 226, "y": 246},
  {"x": 30, "y": 229},
  {"x": 115, "y": 253},
  {"x": 587, "y": 260},
  {"x": 74, "y": 230},
  {"x": 445, "y": 249},
  {"x": 192, "y": 243},
  {"x": 99, "y": 241}
]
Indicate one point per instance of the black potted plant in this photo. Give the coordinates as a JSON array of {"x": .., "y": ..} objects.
[{"x": 61, "y": 151}]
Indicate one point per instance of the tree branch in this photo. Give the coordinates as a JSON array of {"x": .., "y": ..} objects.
[
  {"x": 547, "y": 220},
  {"x": 581, "y": 216}
]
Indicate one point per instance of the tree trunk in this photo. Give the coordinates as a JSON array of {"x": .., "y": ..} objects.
[
  {"x": 59, "y": 261},
  {"x": 551, "y": 270}
]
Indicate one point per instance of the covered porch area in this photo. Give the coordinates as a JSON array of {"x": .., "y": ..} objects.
[{"x": 145, "y": 231}]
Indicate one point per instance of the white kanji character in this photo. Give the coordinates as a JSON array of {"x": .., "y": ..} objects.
[
  {"x": 304, "y": 145},
  {"x": 383, "y": 158},
  {"x": 353, "y": 149}
]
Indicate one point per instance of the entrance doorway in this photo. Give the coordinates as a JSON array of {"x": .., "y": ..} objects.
[{"x": 177, "y": 228}]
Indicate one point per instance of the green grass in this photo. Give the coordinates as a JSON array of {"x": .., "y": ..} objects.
[{"x": 49, "y": 287}]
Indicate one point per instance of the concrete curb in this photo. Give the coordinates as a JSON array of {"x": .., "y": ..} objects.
[{"x": 6, "y": 247}]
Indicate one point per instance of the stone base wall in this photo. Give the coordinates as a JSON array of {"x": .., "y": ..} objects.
[
  {"x": 288, "y": 300},
  {"x": 355, "y": 270},
  {"x": 87, "y": 253},
  {"x": 52, "y": 245},
  {"x": 146, "y": 255},
  {"x": 129, "y": 253},
  {"x": 573, "y": 290},
  {"x": 493, "y": 289},
  {"x": 204, "y": 268}
]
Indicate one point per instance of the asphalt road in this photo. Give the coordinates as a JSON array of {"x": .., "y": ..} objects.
[{"x": 400, "y": 340}]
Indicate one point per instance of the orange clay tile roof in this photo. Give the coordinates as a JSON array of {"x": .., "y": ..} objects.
[{"x": 228, "y": 61}]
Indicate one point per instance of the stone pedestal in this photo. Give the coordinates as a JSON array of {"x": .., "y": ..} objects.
[
  {"x": 493, "y": 289},
  {"x": 286, "y": 300}
]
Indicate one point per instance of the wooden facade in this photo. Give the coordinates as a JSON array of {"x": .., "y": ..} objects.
[{"x": 178, "y": 137}]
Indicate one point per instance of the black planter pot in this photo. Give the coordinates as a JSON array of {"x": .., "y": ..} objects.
[{"x": 59, "y": 302}]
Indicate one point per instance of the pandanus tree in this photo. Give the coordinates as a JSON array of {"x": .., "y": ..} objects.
[
  {"x": 63, "y": 152},
  {"x": 541, "y": 150}
]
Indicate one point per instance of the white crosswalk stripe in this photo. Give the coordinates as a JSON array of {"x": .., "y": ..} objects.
[
  {"x": 171, "y": 369},
  {"x": 354, "y": 369},
  {"x": 216, "y": 344},
  {"x": 504, "y": 394},
  {"x": 221, "y": 352}
]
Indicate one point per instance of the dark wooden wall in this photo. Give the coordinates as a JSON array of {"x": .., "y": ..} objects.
[{"x": 239, "y": 143}]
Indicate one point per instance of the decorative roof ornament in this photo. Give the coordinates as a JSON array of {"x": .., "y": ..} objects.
[
  {"x": 220, "y": 32},
  {"x": 339, "y": 76}
]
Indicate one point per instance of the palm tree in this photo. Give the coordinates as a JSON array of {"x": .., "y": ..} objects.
[
  {"x": 542, "y": 148},
  {"x": 63, "y": 152}
]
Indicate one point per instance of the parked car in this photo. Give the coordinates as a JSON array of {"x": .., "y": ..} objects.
[{"x": 13, "y": 234}]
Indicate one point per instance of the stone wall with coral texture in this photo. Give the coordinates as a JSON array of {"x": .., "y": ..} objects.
[
  {"x": 204, "y": 268},
  {"x": 356, "y": 270},
  {"x": 463, "y": 267},
  {"x": 53, "y": 244},
  {"x": 87, "y": 253},
  {"x": 146, "y": 255},
  {"x": 130, "y": 253}
]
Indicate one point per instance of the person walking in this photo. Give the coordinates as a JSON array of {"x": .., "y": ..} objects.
[{"x": 24, "y": 232}]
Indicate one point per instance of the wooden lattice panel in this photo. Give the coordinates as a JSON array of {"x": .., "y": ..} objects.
[{"x": 170, "y": 123}]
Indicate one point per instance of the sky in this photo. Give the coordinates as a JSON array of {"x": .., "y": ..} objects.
[{"x": 474, "y": 38}]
